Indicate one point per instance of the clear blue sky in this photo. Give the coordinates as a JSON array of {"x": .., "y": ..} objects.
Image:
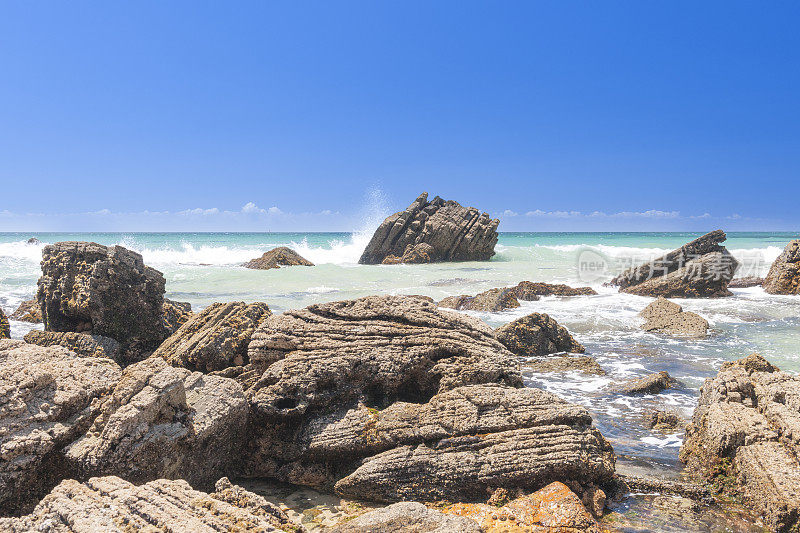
[{"x": 669, "y": 115}]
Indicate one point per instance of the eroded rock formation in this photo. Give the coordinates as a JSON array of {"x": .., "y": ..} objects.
[
  {"x": 82, "y": 344},
  {"x": 5, "y": 327},
  {"x": 528, "y": 290},
  {"x": 452, "y": 232},
  {"x": 650, "y": 384},
  {"x": 537, "y": 334},
  {"x": 175, "y": 314},
  {"x": 565, "y": 363},
  {"x": 663, "y": 316},
  {"x": 492, "y": 301},
  {"x": 784, "y": 274},
  {"x": 28, "y": 311},
  {"x": 408, "y": 516},
  {"x": 276, "y": 258}
]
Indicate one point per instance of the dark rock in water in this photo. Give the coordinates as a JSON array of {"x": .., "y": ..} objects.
[
  {"x": 108, "y": 291},
  {"x": 214, "y": 339},
  {"x": 5, "y": 327},
  {"x": 784, "y": 274},
  {"x": 391, "y": 260},
  {"x": 652, "y": 384},
  {"x": 537, "y": 334},
  {"x": 276, "y": 258},
  {"x": 663, "y": 316},
  {"x": 175, "y": 314},
  {"x": 700, "y": 269},
  {"x": 566, "y": 363},
  {"x": 408, "y": 516},
  {"x": 82, "y": 344},
  {"x": 744, "y": 283},
  {"x": 164, "y": 422},
  {"x": 528, "y": 290},
  {"x": 662, "y": 420},
  {"x": 113, "y": 504},
  {"x": 626, "y": 483},
  {"x": 453, "y": 232},
  {"x": 28, "y": 311},
  {"x": 745, "y": 436},
  {"x": 34, "y": 240},
  {"x": 493, "y": 300},
  {"x": 49, "y": 399},
  {"x": 392, "y": 398}
]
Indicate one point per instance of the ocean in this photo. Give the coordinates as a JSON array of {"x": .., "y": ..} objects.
[{"x": 202, "y": 268}]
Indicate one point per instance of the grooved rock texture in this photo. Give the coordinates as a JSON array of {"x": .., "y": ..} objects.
[
  {"x": 162, "y": 421},
  {"x": 214, "y": 339},
  {"x": 784, "y": 274},
  {"x": 408, "y": 517},
  {"x": 48, "y": 398},
  {"x": 663, "y": 316},
  {"x": 28, "y": 311},
  {"x": 650, "y": 384},
  {"x": 175, "y": 314},
  {"x": 5, "y": 327},
  {"x": 276, "y": 258},
  {"x": 528, "y": 290},
  {"x": 82, "y": 344},
  {"x": 492, "y": 301},
  {"x": 551, "y": 509},
  {"x": 107, "y": 291},
  {"x": 746, "y": 429},
  {"x": 113, "y": 504},
  {"x": 537, "y": 334},
  {"x": 453, "y": 232},
  {"x": 565, "y": 363},
  {"x": 700, "y": 269}
]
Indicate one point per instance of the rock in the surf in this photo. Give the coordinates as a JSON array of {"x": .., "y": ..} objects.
[
  {"x": 164, "y": 422},
  {"x": 216, "y": 338},
  {"x": 659, "y": 420},
  {"x": 745, "y": 283},
  {"x": 108, "y": 291},
  {"x": 113, "y": 504},
  {"x": 784, "y": 274},
  {"x": 528, "y": 290},
  {"x": 650, "y": 384},
  {"x": 565, "y": 363},
  {"x": 392, "y": 398},
  {"x": 699, "y": 269},
  {"x": 453, "y": 232},
  {"x": 175, "y": 314},
  {"x": 492, "y": 301},
  {"x": 745, "y": 436},
  {"x": 663, "y": 316},
  {"x": 5, "y": 327},
  {"x": 276, "y": 258},
  {"x": 82, "y": 344},
  {"x": 49, "y": 398},
  {"x": 28, "y": 311},
  {"x": 537, "y": 334},
  {"x": 408, "y": 516}
]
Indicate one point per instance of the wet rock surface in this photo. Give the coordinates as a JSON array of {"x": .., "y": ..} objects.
[
  {"x": 784, "y": 274},
  {"x": 528, "y": 290},
  {"x": 492, "y": 301},
  {"x": 108, "y": 291},
  {"x": 48, "y": 398},
  {"x": 745, "y": 438},
  {"x": 82, "y": 344},
  {"x": 566, "y": 363},
  {"x": 216, "y": 338},
  {"x": 744, "y": 283},
  {"x": 664, "y": 421},
  {"x": 408, "y": 516},
  {"x": 276, "y": 258},
  {"x": 5, "y": 327},
  {"x": 537, "y": 334},
  {"x": 650, "y": 384},
  {"x": 28, "y": 311},
  {"x": 663, "y": 316},
  {"x": 113, "y": 504},
  {"x": 453, "y": 232}
]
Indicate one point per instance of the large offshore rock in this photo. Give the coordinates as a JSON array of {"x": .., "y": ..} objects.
[
  {"x": 700, "y": 269},
  {"x": 28, "y": 311},
  {"x": 528, "y": 290},
  {"x": 454, "y": 233},
  {"x": 175, "y": 314},
  {"x": 168, "y": 422},
  {"x": 5, "y": 327},
  {"x": 492, "y": 301},
  {"x": 116, "y": 505},
  {"x": 663, "y": 316},
  {"x": 784, "y": 274},
  {"x": 745, "y": 432},
  {"x": 216, "y": 338},
  {"x": 537, "y": 334},
  {"x": 82, "y": 344},
  {"x": 408, "y": 516},
  {"x": 276, "y": 258},
  {"x": 108, "y": 291},
  {"x": 337, "y": 389},
  {"x": 48, "y": 398}
]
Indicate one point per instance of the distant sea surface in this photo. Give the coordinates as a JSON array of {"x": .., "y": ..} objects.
[{"x": 202, "y": 268}]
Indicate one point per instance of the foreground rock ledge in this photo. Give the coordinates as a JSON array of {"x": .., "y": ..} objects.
[
  {"x": 452, "y": 233},
  {"x": 745, "y": 436},
  {"x": 113, "y": 504}
]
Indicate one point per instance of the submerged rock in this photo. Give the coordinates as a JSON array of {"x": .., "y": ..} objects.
[
  {"x": 175, "y": 314},
  {"x": 745, "y": 436},
  {"x": 492, "y": 301},
  {"x": 5, "y": 327},
  {"x": 528, "y": 290},
  {"x": 108, "y": 291},
  {"x": 48, "y": 398},
  {"x": 113, "y": 504},
  {"x": 408, "y": 516},
  {"x": 566, "y": 363},
  {"x": 216, "y": 338},
  {"x": 276, "y": 258},
  {"x": 700, "y": 269},
  {"x": 453, "y": 232},
  {"x": 28, "y": 311},
  {"x": 784, "y": 274},
  {"x": 658, "y": 420},
  {"x": 82, "y": 344},
  {"x": 663, "y": 316},
  {"x": 651, "y": 384},
  {"x": 537, "y": 334}
]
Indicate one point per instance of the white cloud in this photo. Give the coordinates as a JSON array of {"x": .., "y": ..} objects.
[
  {"x": 274, "y": 211},
  {"x": 652, "y": 213},
  {"x": 102, "y": 212},
  {"x": 250, "y": 207},
  {"x": 509, "y": 213},
  {"x": 199, "y": 211}
]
